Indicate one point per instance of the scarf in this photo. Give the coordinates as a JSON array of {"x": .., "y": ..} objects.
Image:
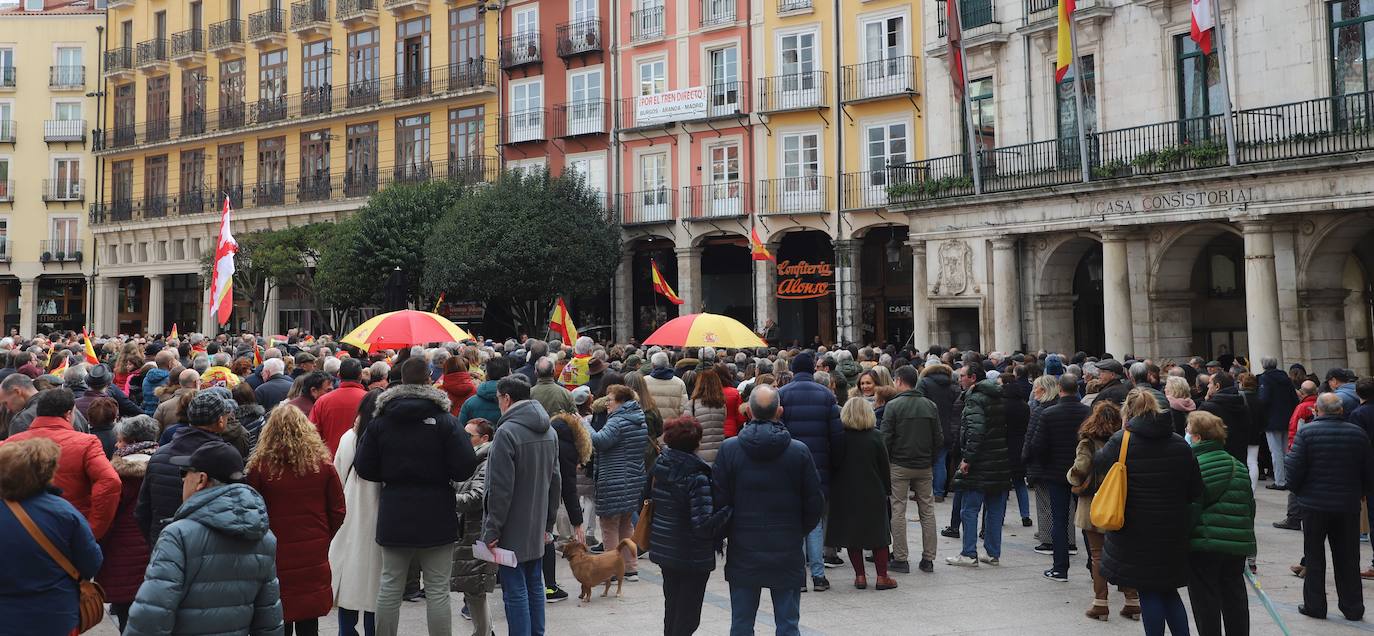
[
  {"x": 1182, "y": 404},
  {"x": 147, "y": 448}
]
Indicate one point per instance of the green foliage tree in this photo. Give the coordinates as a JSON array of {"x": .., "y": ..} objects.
[
  {"x": 266, "y": 259},
  {"x": 521, "y": 242}
]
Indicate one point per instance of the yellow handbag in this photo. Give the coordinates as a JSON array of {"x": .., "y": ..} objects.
[{"x": 1109, "y": 505}]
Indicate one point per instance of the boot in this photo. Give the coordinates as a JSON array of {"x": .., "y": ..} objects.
[
  {"x": 1099, "y": 612},
  {"x": 1131, "y": 611},
  {"x": 861, "y": 582},
  {"x": 886, "y": 583}
]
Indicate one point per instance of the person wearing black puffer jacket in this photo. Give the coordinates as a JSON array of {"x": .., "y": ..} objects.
[
  {"x": 1224, "y": 401},
  {"x": 937, "y": 385},
  {"x": 812, "y": 417},
  {"x": 686, "y": 525},
  {"x": 1329, "y": 468},
  {"x": 570, "y": 433},
  {"x": 1150, "y": 552},
  {"x": 1054, "y": 447}
]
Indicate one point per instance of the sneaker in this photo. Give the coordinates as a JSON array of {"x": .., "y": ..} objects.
[
  {"x": 415, "y": 596},
  {"x": 1073, "y": 550},
  {"x": 1026, "y": 522},
  {"x": 819, "y": 583},
  {"x": 962, "y": 561},
  {"x": 552, "y": 595},
  {"x": 597, "y": 549},
  {"x": 950, "y": 532},
  {"x": 991, "y": 560},
  {"x": 467, "y": 613},
  {"x": 1364, "y": 537},
  {"x": 832, "y": 561},
  {"x": 900, "y": 566},
  {"x": 1058, "y": 577},
  {"x": 926, "y": 566},
  {"x": 630, "y": 577},
  {"x": 1044, "y": 548}
]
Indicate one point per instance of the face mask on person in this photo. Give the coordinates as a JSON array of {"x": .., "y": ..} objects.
[{"x": 1193, "y": 440}]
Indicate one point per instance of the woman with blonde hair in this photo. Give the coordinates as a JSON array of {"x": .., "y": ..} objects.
[
  {"x": 293, "y": 471},
  {"x": 1150, "y": 551},
  {"x": 859, "y": 518},
  {"x": 1102, "y": 423},
  {"x": 1180, "y": 397}
]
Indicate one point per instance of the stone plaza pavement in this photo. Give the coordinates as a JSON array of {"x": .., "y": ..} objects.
[{"x": 1010, "y": 599}]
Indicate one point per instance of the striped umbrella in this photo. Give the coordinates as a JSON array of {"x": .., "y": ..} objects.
[
  {"x": 404, "y": 328},
  {"x": 705, "y": 330}
]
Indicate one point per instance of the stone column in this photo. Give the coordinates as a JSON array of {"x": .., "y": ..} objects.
[
  {"x": 1116, "y": 295},
  {"x": 1006, "y": 294},
  {"x": 1261, "y": 291},
  {"x": 156, "y": 284},
  {"x": 208, "y": 323},
  {"x": 847, "y": 312},
  {"x": 28, "y": 307},
  {"x": 766, "y": 289},
  {"x": 624, "y": 299},
  {"x": 272, "y": 309},
  {"x": 1323, "y": 316},
  {"x": 689, "y": 280},
  {"x": 106, "y": 320},
  {"x": 920, "y": 301}
]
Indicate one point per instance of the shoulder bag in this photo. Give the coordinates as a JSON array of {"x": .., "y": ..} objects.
[
  {"x": 92, "y": 601},
  {"x": 1109, "y": 505},
  {"x": 646, "y": 519}
]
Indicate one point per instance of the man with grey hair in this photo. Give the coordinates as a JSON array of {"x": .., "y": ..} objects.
[
  {"x": 1140, "y": 378},
  {"x": 221, "y": 359},
  {"x": 1329, "y": 469},
  {"x": 201, "y": 364},
  {"x": 275, "y": 385},
  {"x": 20, "y": 397},
  {"x": 534, "y": 350},
  {"x": 188, "y": 382},
  {"x": 74, "y": 378},
  {"x": 669, "y": 391},
  {"x": 377, "y": 374},
  {"x": 1277, "y": 398},
  {"x": 547, "y": 392},
  {"x": 331, "y": 367},
  {"x": 761, "y": 366}
]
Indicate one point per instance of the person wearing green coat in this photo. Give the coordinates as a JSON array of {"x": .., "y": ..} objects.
[
  {"x": 984, "y": 475},
  {"x": 1223, "y": 532}
]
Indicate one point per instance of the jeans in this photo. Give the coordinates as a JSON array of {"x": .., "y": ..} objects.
[
  {"x": 522, "y": 590},
  {"x": 812, "y": 548},
  {"x": 744, "y": 608},
  {"x": 613, "y": 529},
  {"x": 436, "y": 568},
  {"x": 1059, "y": 525},
  {"x": 1218, "y": 593},
  {"x": 1342, "y": 531},
  {"x": 1022, "y": 497},
  {"x": 1278, "y": 441},
  {"x": 1158, "y": 609},
  {"x": 941, "y": 471},
  {"x": 1252, "y": 463},
  {"x": 348, "y": 622},
  {"x": 307, "y": 627},
  {"x": 919, "y": 481},
  {"x": 683, "y": 591},
  {"x": 974, "y": 501}
]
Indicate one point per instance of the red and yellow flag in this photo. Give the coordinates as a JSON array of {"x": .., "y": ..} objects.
[
  {"x": 757, "y": 250},
  {"x": 61, "y": 368},
  {"x": 561, "y": 322},
  {"x": 257, "y": 356},
  {"x": 174, "y": 332},
  {"x": 90, "y": 350},
  {"x": 661, "y": 284},
  {"x": 438, "y": 302},
  {"x": 1064, "y": 56}
]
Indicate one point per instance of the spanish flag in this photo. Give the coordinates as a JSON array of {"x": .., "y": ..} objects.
[
  {"x": 1064, "y": 56},
  {"x": 561, "y": 322},
  {"x": 757, "y": 249},
  {"x": 174, "y": 332},
  {"x": 439, "y": 302},
  {"x": 90, "y": 350},
  {"x": 661, "y": 284},
  {"x": 61, "y": 368},
  {"x": 257, "y": 356}
]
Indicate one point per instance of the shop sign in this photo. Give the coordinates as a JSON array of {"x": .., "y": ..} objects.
[
  {"x": 802, "y": 279},
  {"x": 466, "y": 310},
  {"x": 899, "y": 310},
  {"x": 45, "y": 318},
  {"x": 1177, "y": 200},
  {"x": 678, "y": 105}
]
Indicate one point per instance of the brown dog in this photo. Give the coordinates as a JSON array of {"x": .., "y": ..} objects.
[{"x": 593, "y": 569}]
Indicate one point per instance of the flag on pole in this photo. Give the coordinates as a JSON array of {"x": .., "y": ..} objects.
[
  {"x": 61, "y": 368},
  {"x": 90, "y": 350},
  {"x": 661, "y": 284},
  {"x": 174, "y": 331},
  {"x": 561, "y": 322},
  {"x": 1064, "y": 57},
  {"x": 757, "y": 249},
  {"x": 222, "y": 279},
  {"x": 1203, "y": 23},
  {"x": 438, "y": 302},
  {"x": 257, "y": 356},
  {"x": 953, "y": 35}
]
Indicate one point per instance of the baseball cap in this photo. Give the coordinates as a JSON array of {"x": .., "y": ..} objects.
[{"x": 220, "y": 461}]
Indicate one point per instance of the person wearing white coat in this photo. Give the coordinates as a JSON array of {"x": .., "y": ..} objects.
[{"x": 355, "y": 559}]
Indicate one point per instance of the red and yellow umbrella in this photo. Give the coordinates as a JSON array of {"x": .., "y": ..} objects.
[
  {"x": 705, "y": 330},
  {"x": 404, "y": 328}
]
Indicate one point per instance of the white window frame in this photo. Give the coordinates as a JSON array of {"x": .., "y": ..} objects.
[
  {"x": 517, "y": 15},
  {"x": 526, "y": 166},
  {"x": 874, "y": 185},
  {"x": 586, "y": 115},
  {"x": 69, "y": 81},
  {"x": 599, "y": 185},
  {"x": 796, "y": 90},
  {"x": 801, "y": 192},
  {"x": 7, "y": 194},
  {"x": 573, "y": 15},
  {"x": 723, "y": 92},
  {"x": 71, "y": 188},
  {"x": 526, "y": 123},
  {"x": 70, "y": 242},
  {"x": 655, "y": 200},
  {"x": 652, "y": 60},
  {"x": 882, "y": 75},
  {"x": 723, "y": 197},
  {"x": 6, "y": 254}
]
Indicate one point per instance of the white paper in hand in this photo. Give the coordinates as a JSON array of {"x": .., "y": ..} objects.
[{"x": 501, "y": 556}]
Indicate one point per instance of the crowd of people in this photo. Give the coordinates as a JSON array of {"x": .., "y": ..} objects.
[{"x": 231, "y": 485}]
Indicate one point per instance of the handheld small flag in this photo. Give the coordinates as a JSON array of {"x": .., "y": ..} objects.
[
  {"x": 661, "y": 284},
  {"x": 173, "y": 334},
  {"x": 61, "y": 368},
  {"x": 90, "y": 350},
  {"x": 757, "y": 250},
  {"x": 257, "y": 356},
  {"x": 438, "y": 302},
  {"x": 561, "y": 322},
  {"x": 1064, "y": 54},
  {"x": 1203, "y": 23}
]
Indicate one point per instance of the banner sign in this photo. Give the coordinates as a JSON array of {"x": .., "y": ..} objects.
[
  {"x": 802, "y": 279},
  {"x": 678, "y": 105}
]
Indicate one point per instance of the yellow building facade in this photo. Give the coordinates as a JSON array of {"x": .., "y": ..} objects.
[
  {"x": 48, "y": 57},
  {"x": 295, "y": 112}
]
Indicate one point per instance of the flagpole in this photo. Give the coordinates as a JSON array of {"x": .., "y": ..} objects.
[
  {"x": 967, "y": 103},
  {"x": 1077, "y": 68},
  {"x": 1230, "y": 122}
]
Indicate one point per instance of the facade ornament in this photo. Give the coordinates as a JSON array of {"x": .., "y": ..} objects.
[{"x": 956, "y": 268}]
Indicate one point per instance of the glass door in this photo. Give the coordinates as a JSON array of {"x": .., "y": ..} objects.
[
  {"x": 727, "y": 196},
  {"x": 653, "y": 185},
  {"x": 69, "y": 70},
  {"x": 65, "y": 239},
  {"x": 885, "y": 146},
  {"x": 798, "y": 71},
  {"x": 801, "y": 164},
  {"x": 527, "y": 115},
  {"x": 884, "y": 55},
  {"x": 66, "y": 179},
  {"x": 725, "y": 82},
  {"x": 585, "y": 112}
]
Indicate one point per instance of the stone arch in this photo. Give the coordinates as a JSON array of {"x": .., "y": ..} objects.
[
  {"x": 873, "y": 222},
  {"x": 701, "y": 238},
  {"x": 1334, "y": 275},
  {"x": 776, "y": 232},
  {"x": 1062, "y": 311},
  {"x": 1173, "y": 303},
  {"x": 1172, "y": 267},
  {"x": 1321, "y": 264},
  {"x": 1059, "y": 258}
]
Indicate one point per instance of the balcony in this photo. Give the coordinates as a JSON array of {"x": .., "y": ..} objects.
[
  {"x": 727, "y": 99},
  {"x": 188, "y": 47},
  {"x": 412, "y": 86},
  {"x": 794, "y": 6},
  {"x": 317, "y": 100},
  {"x": 155, "y": 206},
  {"x": 8, "y": 78},
  {"x": 976, "y": 16},
  {"x": 310, "y": 18},
  {"x": 524, "y": 126},
  {"x": 61, "y": 251},
  {"x": 7, "y": 128},
  {"x": 226, "y": 38},
  {"x": 197, "y": 200},
  {"x": 355, "y": 13},
  {"x": 574, "y": 119},
  {"x": 716, "y": 13},
  {"x": 152, "y": 55},
  {"x": 868, "y": 189},
  {"x": 64, "y": 190},
  {"x": 647, "y": 24},
  {"x": 157, "y": 129},
  {"x": 119, "y": 4},
  {"x": 474, "y": 169},
  {"x": 64, "y": 130},
  {"x": 794, "y": 195},
  {"x": 269, "y": 110},
  {"x": 364, "y": 93},
  {"x": 879, "y": 79},
  {"x": 359, "y": 183},
  {"x": 401, "y": 8},
  {"x": 267, "y": 29},
  {"x": 7, "y": 191},
  {"x": 809, "y": 90},
  {"x": 314, "y": 188},
  {"x": 269, "y": 193},
  {"x": 415, "y": 171},
  {"x": 474, "y": 74},
  {"x": 67, "y": 78},
  {"x": 723, "y": 199},
  {"x": 193, "y": 122},
  {"x": 119, "y": 64},
  {"x": 520, "y": 49},
  {"x": 232, "y": 116},
  {"x": 648, "y": 206},
  {"x": 579, "y": 38}
]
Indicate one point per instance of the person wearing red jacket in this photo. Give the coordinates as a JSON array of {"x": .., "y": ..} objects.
[
  {"x": 734, "y": 420},
  {"x": 334, "y": 412},
  {"x": 294, "y": 473},
  {"x": 457, "y": 383},
  {"x": 126, "y": 550},
  {"x": 84, "y": 475},
  {"x": 1304, "y": 412}
]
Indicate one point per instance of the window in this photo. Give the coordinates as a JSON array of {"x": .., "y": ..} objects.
[
  {"x": 229, "y": 172},
  {"x": 317, "y": 77},
  {"x": 193, "y": 101},
  {"x": 314, "y": 184},
  {"x": 412, "y": 56},
  {"x": 592, "y": 169},
  {"x": 526, "y": 21},
  {"x": 725, "y": 87},
  {"x": 653, "y": 185},
  {"x": 412, "y": 148},
  {"x": 7, "y": 67},
  {"x": 585, "y": 111},
  {"x": 467, "y": 37},
  {"x": 360, "y": 157},
  {"x": 583, "y": 10},
  {"x": 122, "y": 186},
  {"x": 231, "y": 83},
  {"x": 124, "y": 114},
  {"x": 527, "y": 114},
  {"x": 192, "y": 178},
  {"x": 272, "y": 85},
  {"x": 155, "y": 186},
  {"x": 1199, "y": 81},
  {"x": 271, "y": 187},
  {"x": 4, "y": 239},
  {"x": 65, "y": 239},
  {"x": 801, "y": 161},
  {"x": 364, "y": 68},
  {"x": 798, "y": 63},
  {"x": 653, "y": 77},
  {"x": 465, "y": 143},
  {"x": 726, "y": 193},
  {"x": 1064, "y": 101},
  {"x": 1351, "y": 31},
  {"x": 159, "y": 107},
  {"x": 527, "y": 167},
  {"x": 6, "y": 191},
  {"x": 647, "y": 19},
  {"x": 884, "y": 145},
  {"x": 984, "y": 116},
  {"x": 66, "y": 111},
  {"x": 68, "y": 70},
  {"x": 884, "y": 39},
  {"x": 66, "y": 179},
  {"x": 7, "y": 122},
  {"x": 715, "y": 12}
]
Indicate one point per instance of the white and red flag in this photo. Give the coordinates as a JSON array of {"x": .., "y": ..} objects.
[
  {"x": 1203, "y": 25},
  {"x": 222, "y": 278}
]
